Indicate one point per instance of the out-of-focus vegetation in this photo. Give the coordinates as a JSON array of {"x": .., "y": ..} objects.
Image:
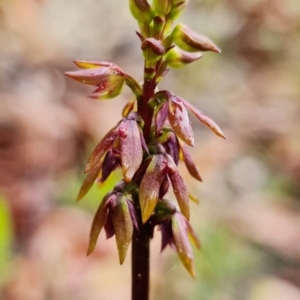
[{"x": 249, "y": 216}]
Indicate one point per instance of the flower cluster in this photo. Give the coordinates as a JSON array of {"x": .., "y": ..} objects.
[{"x": 151, "y": 139}]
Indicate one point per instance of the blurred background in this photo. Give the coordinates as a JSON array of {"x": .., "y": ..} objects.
[{"x": 248, "y": 219}]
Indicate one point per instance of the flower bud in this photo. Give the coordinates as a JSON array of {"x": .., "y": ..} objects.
[
  {"x": 177, "y": 58},
  {"x": 152, "y": 49},
  {"x": 191, "y": 41},
  {"x": 162, "y": 7},
  {"x": 178, "y": 7},
  {"x": 141, "y": 11}
]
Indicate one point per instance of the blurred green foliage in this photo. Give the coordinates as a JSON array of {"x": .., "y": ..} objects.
[{"x": 6, "y": 237}]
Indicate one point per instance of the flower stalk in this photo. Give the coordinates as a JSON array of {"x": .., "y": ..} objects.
[{"x": 147, "y": 144}]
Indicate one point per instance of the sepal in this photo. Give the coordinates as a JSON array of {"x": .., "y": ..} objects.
[
  {"x": 150, "y": 185},
  {"x": 122, "y": 222}
]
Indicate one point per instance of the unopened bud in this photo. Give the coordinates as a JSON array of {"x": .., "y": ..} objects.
[
  {"x": 191, "y": 41},
  {"x": 141, "y": 11},
  {"x": 152, "y": 49},
  {"x": 178, "y": 7},
  {"x": 162, "y": 7},
  {"x": 177, "y": 58}
]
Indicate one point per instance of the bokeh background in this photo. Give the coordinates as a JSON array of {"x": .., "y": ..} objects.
[{"x": 249, "y": 214}]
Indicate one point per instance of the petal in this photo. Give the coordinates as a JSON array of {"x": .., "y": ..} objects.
[
  {"x": 105, "y": 144},
  {"x": 110, "y": 87},
  {"x": 131, "y": 148},
  {"x": 98, "y": 223},
  {"x": 180, "y": 122},
  {"x": 109, "y": 227},
  {"x": 192, "y": 235},
  {"x": 164, "y": 187},
  {"x": 161, "y": 116},
  {"x": 83, "y": 64},
  {"x": 172, "y": 147},
  {"x": 179, "y": 187},
  {"x": 182, "y": 243},
  {"x": 122, "y": 225},
  {"x": 95, "y": 76},
  {"x": 190, "y": 165},
  {"x": 166, "y": 234},
  {"x": 150, "y": 186},
  {"x": 133, "y": 214},
  {"x": 204, "y": 119},
  {"x": 110, "y": 163},
  {"x": 89, "y": 181},
  {"x": 181, "y": 193}
]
